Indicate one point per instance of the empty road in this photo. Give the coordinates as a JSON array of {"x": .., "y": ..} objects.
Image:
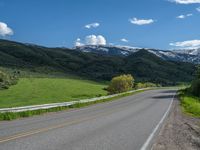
[{"x": 123, "y": 124}]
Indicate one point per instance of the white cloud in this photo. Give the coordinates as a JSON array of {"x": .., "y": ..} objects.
[
  {"x": 198, "y": 9},
  {"x": 141, "y": 21},
  {"x": 186, "y": 1},
  {"x": 189, "y": 15},
  {"x": 5, "y": 30},
  {"x": 91, "y": 40},
  {"x": 78, "y": 42},
  {"x": 187, "y": 44},
  {"x": 124, "y": 40},
  {"x": 95, "y": 40},
  {"x": 184, "y": 16},
  {"x": 92, "y": 25},
  {"x": 181, "y": 17}
]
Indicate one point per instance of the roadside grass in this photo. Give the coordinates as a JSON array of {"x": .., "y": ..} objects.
[
  {"x": 35, "y": 91},
  {"x": 15, "y": 115},
  {"x": 190, "y": 104}
]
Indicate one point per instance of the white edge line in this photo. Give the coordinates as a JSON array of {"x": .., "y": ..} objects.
[{"x": 146, "y": 144}]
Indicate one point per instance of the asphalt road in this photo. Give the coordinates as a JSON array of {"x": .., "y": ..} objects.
[{"x": 123, "y": 124}]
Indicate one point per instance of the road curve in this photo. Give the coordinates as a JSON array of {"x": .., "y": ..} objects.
[{"x": 124, "y": 124}]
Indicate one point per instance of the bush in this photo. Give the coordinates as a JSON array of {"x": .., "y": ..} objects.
[
  {"x": 120, "y": 84},
  {"x": 7, "y": 80},
  {"x": 145, "y": 85},
  {"x": 4, "y": 80}
]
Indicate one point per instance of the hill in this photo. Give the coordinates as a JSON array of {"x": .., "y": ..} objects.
[{"x": 144, "y": 65}]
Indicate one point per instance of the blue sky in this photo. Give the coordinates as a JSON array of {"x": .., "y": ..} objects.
[{"x": 53, "y": 23}]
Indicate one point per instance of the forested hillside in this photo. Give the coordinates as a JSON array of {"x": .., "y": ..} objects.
[{"x": 144, "y": 66}]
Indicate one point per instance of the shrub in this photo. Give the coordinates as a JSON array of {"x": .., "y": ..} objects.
[
  {"x": 7, "y": 80},
  {"x": 4, "y": 80},
  {"x": 145, "y": 85},
  {"x": 120, "y": 84}
]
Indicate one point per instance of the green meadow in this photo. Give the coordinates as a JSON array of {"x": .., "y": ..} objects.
[{"x": 34, "y": 91}]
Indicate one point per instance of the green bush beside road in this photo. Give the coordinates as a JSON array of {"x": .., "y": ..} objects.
[
  {"x": 121, "y": 84},
  {"x": 146, "y": 85}
]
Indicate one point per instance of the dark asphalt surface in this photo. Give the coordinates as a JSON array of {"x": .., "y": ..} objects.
[{"x": 123, "y": 124}]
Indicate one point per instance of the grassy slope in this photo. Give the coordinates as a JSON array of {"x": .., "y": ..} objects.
[
  {"x": 191, "y": 105},
  {"x": 16, "y": 115},
  {"x": 32, "y": 91}
]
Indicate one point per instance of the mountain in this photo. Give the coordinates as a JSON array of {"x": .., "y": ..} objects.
[
  {"x": 189, "y": 51},
  {"x": 142, "y": 64},
  {"x": 192, "y": 56},
  {"x": 108, "y": 50}
]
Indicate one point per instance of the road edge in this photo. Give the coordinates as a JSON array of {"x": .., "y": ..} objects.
[{"x": 147, "y": 143}]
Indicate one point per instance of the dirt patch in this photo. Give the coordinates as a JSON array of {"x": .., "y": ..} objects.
[{"x": 180, "y": 131}]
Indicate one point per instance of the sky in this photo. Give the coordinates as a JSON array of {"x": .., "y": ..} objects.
[{"x": 162, "y": 24}]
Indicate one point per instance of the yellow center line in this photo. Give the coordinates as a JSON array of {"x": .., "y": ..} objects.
[{"x": 25, "y": 134}]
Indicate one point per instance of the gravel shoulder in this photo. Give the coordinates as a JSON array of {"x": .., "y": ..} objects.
[{"x": 180, "y": 131}]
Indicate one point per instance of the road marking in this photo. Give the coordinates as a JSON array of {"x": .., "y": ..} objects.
[
  {"x": 146, "y": 144},
  {"x": 25, "y": 134},
  {"x": 79, "y": 120}
]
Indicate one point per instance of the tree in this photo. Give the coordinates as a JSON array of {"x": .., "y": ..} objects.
[
  {"x": 121, "y": 83},
  {"x": 198, "y": 72},
  {"x": 195, "y": 87}
]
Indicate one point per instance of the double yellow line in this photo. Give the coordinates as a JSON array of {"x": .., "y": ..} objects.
[{"x": 29, "y": 133}]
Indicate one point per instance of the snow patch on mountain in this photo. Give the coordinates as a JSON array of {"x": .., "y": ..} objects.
[{"x": 192, "y": 56}]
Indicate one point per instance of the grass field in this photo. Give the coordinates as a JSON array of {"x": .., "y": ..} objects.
[
  {"x": 191, "y": 105},
  {"x": 16, "y": 115},
  {"x": 33, "y": 91}
]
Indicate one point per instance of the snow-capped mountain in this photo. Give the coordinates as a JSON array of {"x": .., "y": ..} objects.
[
  {"x": 109, "y": 50},
  {"x": 174, "y": 55},
  {"x": 192, "y": 55},
  {"x": 189, "y": 51},
  {"x": 178, "y": 55}
]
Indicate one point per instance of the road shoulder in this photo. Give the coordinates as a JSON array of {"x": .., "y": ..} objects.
[{"x": 180, "y": 131}]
